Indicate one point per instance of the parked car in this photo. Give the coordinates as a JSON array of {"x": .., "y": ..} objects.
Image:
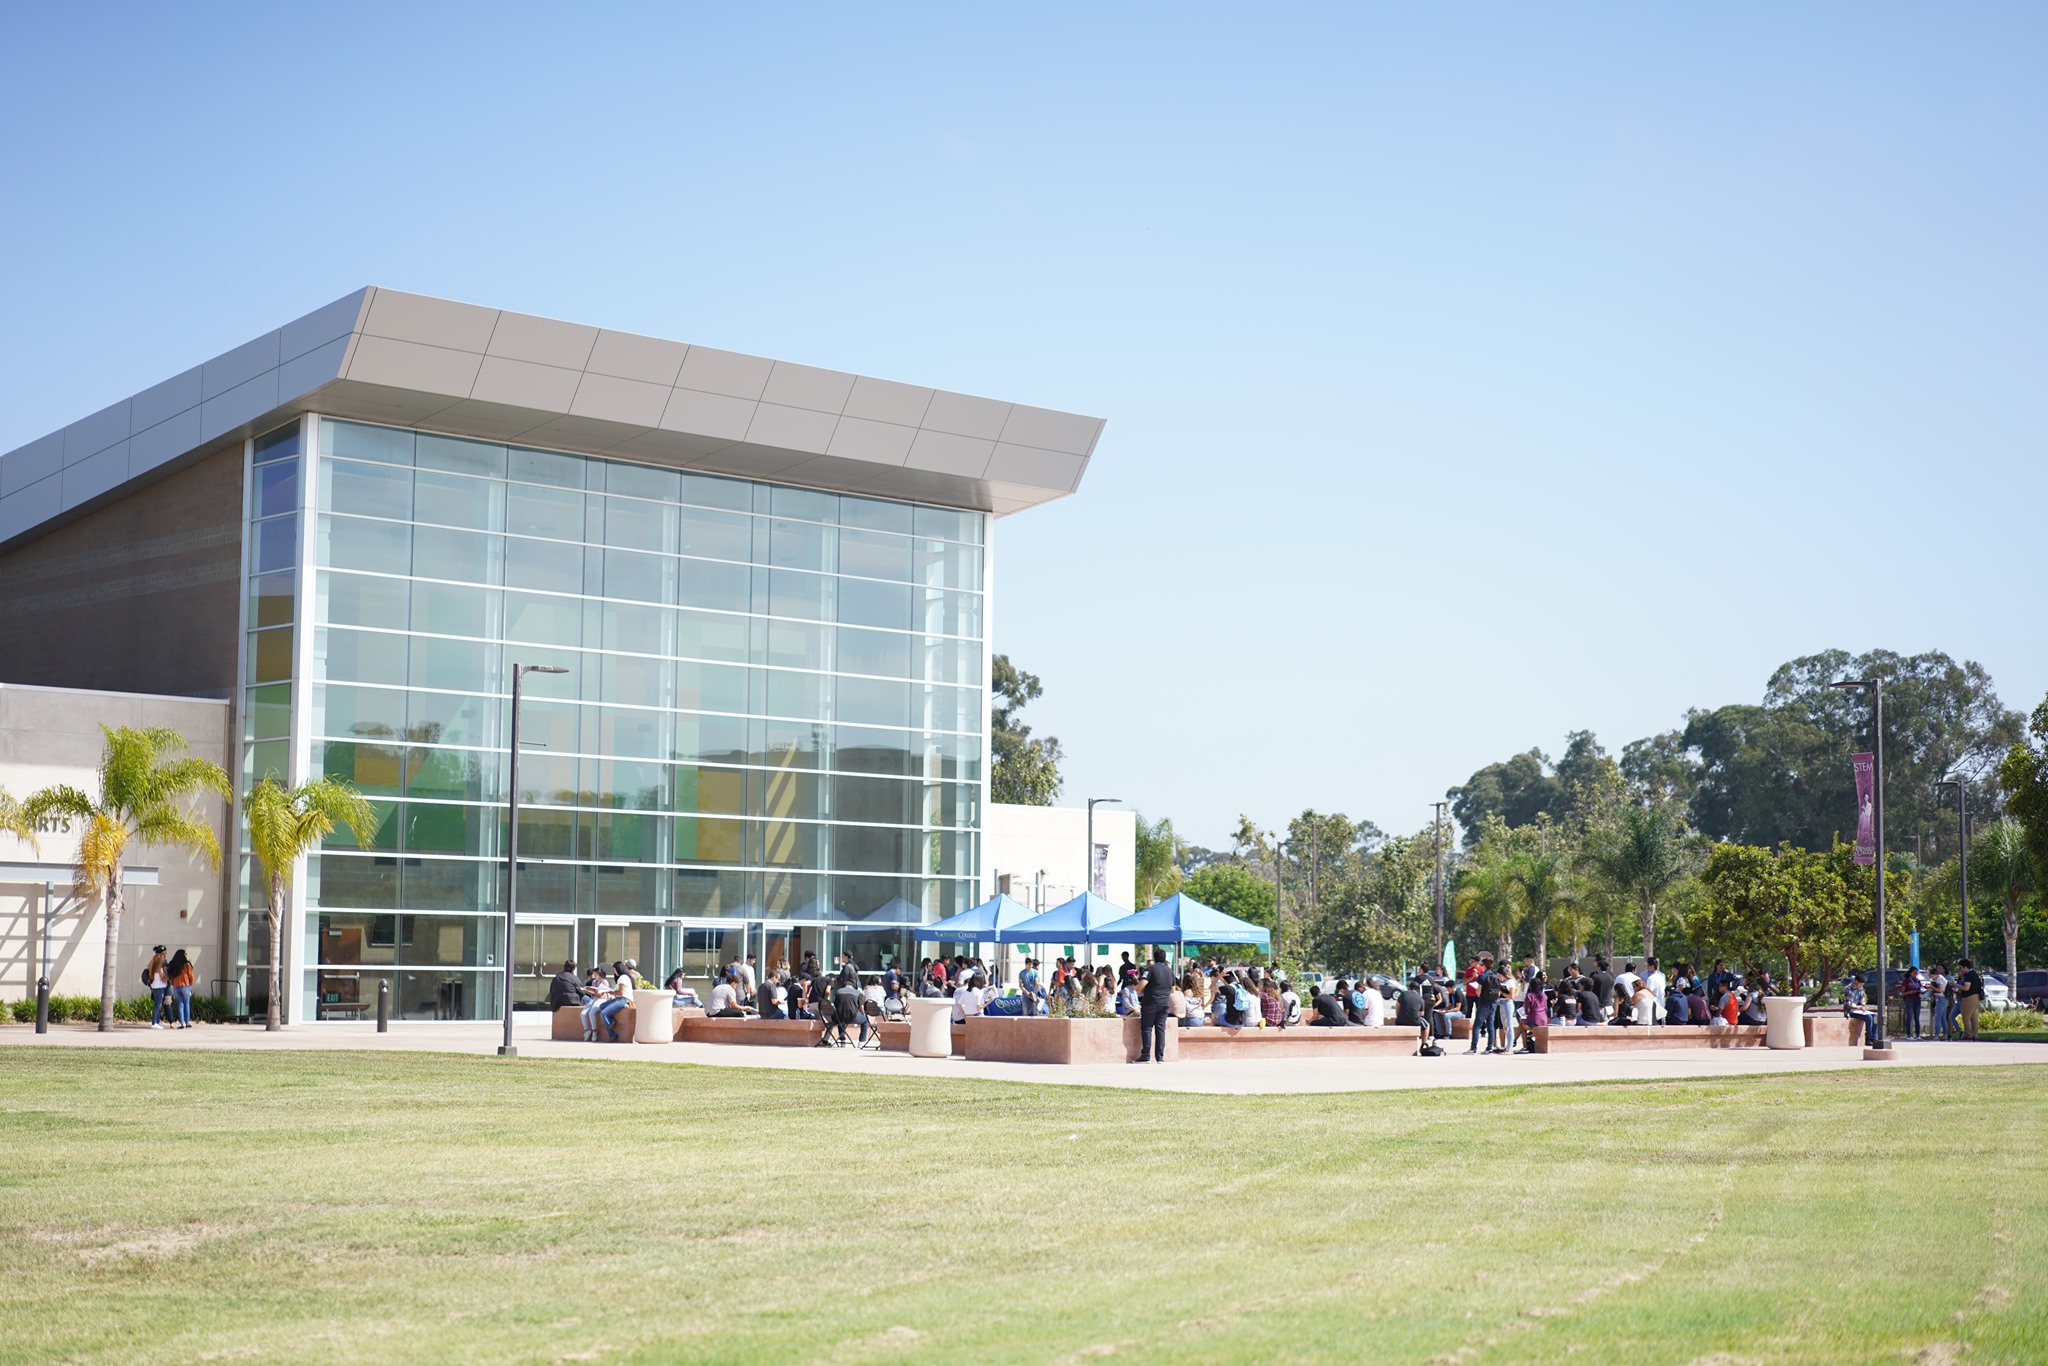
[
  {"x": 2033, "y": 988},
  {"x": 1997, "y": 995}
]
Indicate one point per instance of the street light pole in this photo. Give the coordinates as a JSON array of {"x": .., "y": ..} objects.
[
  {"x": 1438, "y": 878},
  {"x": 519, "y": 672},
  {"x": 1963, "y": 863},
  {"x": 1875, "y": 687}
]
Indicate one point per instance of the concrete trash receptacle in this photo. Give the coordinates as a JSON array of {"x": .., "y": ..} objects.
[
  {"x": 931, "y": 1026},
  {"x": 654, "y": 1018},
  {"x": 1784, "y": 1022}
]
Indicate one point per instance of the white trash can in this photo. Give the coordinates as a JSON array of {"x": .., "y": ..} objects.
[
  {"x": 1784, "y": 1022},
  {"x": 931, "y": 1026},
  {"x": 654, "y": 1019}
]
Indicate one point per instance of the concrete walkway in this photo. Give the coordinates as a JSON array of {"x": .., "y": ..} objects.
[{"x": 1279, "y": 1076}]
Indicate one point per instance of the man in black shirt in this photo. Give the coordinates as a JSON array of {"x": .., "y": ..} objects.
[
  {"x": 1969, "y": 996},
  {"x": 1408, "y": 1010},
  {"x": 1603, "y": 981},
  {"x": 1329, "y": 1012},
  {"x": 1155, "y": 1000},
  {"x": 1489, "y": 992},
  {"x": 565, "y": 990},
  {"x": 1589, "y": 1003}
]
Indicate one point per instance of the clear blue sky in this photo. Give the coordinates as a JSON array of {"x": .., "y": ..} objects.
[{"x": 1473, "y": 373}]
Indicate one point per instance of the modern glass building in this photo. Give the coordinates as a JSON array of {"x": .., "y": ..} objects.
[{"x": 769, "y": 587}]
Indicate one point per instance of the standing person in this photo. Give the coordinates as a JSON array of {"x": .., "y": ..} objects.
[
  {"x": 1603, "y": 981},
  {"x": 1937, "y": 995},
  {"x": 159, "y": 983},
  {"x": 1969, "y": 995},
  {"x": 180, "y": 973},
  {"x": 1658, "y": 991},
  {"x": 1536, "y": 1009},
  {"x": 1511, "y": 988},
  {"x": 1485, "y": 991},
  {"x": 1027, "y": 986},
  {"x": 1909, "y": 1002},
  {"x": 1156, "y": 1002}
]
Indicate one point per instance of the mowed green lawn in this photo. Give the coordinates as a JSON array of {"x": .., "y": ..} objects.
[{"x": 333, "y": 1206}]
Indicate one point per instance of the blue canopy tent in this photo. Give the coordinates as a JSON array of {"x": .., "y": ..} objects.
[
  {"x": 984, "y": 924},
  {"x": 1180, "y": 919},
  {"x": 1079, "y": 921}
]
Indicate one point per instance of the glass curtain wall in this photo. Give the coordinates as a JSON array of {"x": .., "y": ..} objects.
[{"x": 772, "y": 711}]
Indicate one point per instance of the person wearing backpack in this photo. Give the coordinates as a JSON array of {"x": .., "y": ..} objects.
[{"x": 159, "y": 983}]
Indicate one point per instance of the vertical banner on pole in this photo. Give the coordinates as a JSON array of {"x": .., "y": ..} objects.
[
  {"x": 1098, "y": 870},
  {"x": 1866, "y": 807}
]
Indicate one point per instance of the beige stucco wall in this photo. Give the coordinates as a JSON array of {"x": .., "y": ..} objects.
[
  {"x": 1020, "y": 841},
  {"x": 52, "y": 735}
]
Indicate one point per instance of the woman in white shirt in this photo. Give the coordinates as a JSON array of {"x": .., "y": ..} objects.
[
  {"x": 967, "y": 1000},
  {"x": 1375, "y": 1004}
]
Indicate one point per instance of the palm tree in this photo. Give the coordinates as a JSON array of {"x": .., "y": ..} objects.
[
  {"x": 1640, "y": 854},
  {"x": 12, "y": 822},
  {"x": 1490, "y": 899},
  {"x": 285, "y": 823},
  {"x": 1157, "y": 862},
  {"x": 1545, "y": 880},
  {"x": 147, "y": 783},
  {"x": 2000, "y": 863}
]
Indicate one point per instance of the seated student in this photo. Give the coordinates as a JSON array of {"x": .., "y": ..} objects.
[
  {"x": 1272, "y": 1012},
  {"x": 1177, "y": 1003},
  {"x": 1856, "y": 1004},
  {"x": 625, "y": 979},
  {"x": 1676, "y": 1011},
  {"x": 1127, "y": 999},
  {"x": 1372, "y": 1006},
  {"x": 967, "y": 999},
  {"x": 1696, "y": 1011},
  {"x": 1290, "y": 1004},
  {"x": 1568, "y": 1013},
  {"x": 774, "y": 997},
  {"x": 1590, "y": 1005},
  {"x": 725, "y": 999},
  {"x": 847, "y": 1000},
  {"x": 685, "y": 995},
  {"x": 1329, "y": 1013},
  {"x": 1753, "y": 1011},
  {"x": 1624, "y": 1006},
  {"x": 594, "y": 997},
  {"x": 1408, "y": 1008}
]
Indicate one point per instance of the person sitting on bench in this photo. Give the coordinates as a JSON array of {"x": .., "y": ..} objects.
[
  {"x": 1329, "y": 1013},
  {"x": 725, "y": 998}
]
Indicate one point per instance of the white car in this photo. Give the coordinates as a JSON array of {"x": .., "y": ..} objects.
[{"x": 1997, "y": 994}]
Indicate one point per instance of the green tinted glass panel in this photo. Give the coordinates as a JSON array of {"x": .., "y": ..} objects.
[
  {"x": 267, "y": 712},
  {"x": 552, "y": 566},
  {"x": 366, "y": 490},
  {"x": 360, "y": 600},
  {"x": 947, "y": 524},
  {"x": 873, "y": 514},
  {"x": 365, "y": 657},
  {"x": 454, "y": 500},
  {"x": 708, "y": 490},
  {"x": 393, "y": 445},
  {"x": 553, "y": 513},
  {"x": 718, "y": 587},
  {"x": 349, "y": 543},
  {"x": 460, "y": 456},
  {"x": 455, "y": 665},
  {"x": 451, "y": 609},
  {"x": 543, "y": 619},
  {"x": 717, "y": 535},
  {"x": 467, "y": 557}
]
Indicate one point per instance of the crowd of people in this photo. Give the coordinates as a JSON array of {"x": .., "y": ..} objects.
[{"x": 1503, "y": 1003}]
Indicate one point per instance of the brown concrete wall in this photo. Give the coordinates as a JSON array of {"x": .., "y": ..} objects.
[{"x": 140, "y": 596}]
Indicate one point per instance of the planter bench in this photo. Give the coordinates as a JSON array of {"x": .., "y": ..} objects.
[
  {"x": 1825, "y": 1031},
  {"x": 1045, "y": 1038},
  {"x": 1299, "y": 1041},
  {"x": 567, "y": 1025}
]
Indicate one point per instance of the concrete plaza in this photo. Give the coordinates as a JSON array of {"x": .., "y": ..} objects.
[{"x": 1280, "y": 1076}]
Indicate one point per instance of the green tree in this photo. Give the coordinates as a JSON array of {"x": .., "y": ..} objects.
[
  {"x": 1811, "y": 912},
  {"x": 1026, "y": 768},
  {"x": 1641, "y": 854},
  {"x": 284, "y": 825},
  {"x": 1780, "y": 771},
  {"x": 2001, "y": 865},
  {"x": 1489, "y": 898},
  {"x": 1380, "y": 910},
  {"x": 2023, "y": 773},
  {"x": 1547, "y": 885},
  {"x": 147, "y": 783},
  {"x": 1517, "y": 790},
  {"x": 1156, "y": 864},
  {"x": 1233, "y": 889},
  {"x": 13, "y": 822}
]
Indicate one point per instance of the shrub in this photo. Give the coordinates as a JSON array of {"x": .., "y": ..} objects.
[
  {"x": 135, "y": 1009},
  {"x": 24, "y": 1010}
]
